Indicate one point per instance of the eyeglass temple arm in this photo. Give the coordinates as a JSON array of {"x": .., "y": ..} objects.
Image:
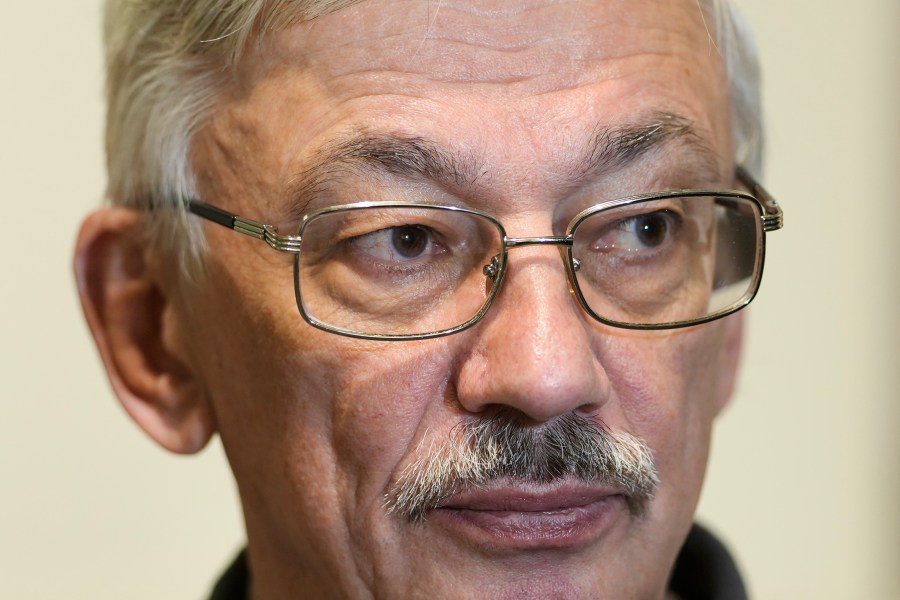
[
  {"x": 260, "y": 231},
  {"x": 773, "y": 219}
]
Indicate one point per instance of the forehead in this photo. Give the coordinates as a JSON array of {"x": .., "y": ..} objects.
[
  {"x": 538, "y": 44},
  {"x": 487, "y": 41},
  {"x": 538, "y": 76}
]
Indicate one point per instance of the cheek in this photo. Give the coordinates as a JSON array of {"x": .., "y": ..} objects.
[
  {"x": 348, "y": 433},
  {"x": 265, "y": 397},
  {"x": 383, "y": 399},
  {"x": 666, "y": 388},
  {"x": 313, "y": 423}
]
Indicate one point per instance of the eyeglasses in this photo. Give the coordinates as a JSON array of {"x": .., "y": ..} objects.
[{"x": 407, "y": 270}]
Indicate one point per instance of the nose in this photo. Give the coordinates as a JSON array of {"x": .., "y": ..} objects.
[{"x": 534, "y": 351}]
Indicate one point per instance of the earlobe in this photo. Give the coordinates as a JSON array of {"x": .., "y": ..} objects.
[
  {"x": 729, "y": 359},
  {"x": 131, "y": 317}
]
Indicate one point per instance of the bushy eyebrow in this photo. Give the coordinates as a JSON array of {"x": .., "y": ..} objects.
[
  {"x": 372, "y": 153},
  {"x": 613, "y": 147}
]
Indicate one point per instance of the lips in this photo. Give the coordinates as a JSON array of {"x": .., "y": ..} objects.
[
  {"x": 529, "y": 516},
  {"x": 528, "y": 497}
]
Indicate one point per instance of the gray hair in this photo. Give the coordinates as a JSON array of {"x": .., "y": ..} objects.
[{"x": 169, "y": 60}]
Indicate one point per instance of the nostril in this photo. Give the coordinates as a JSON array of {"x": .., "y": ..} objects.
[{"x": 589, "y": 410}]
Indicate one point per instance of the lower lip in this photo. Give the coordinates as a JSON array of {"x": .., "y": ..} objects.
[{"x": 568, "y": 527}]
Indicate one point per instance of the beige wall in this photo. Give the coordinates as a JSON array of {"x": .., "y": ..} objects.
[{"x": 804, "y": 477}]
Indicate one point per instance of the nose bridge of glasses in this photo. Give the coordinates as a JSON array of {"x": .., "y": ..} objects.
[
  {"x": 559, "y": 240},
  {"x": 492, "y": 269}
]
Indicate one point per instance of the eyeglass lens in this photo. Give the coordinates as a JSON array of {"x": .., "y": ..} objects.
[
  {"x": 668, "y": 261},
  {"x": 397, "y": 270}
]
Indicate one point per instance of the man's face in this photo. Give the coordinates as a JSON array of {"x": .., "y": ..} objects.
[{"x": 318, "y": 427}]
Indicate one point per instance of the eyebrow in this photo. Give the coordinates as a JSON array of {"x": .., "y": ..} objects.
[
  {"x": 365, "y": 152},
  {"x": 371, "y": 153},
  {"x": 618, "y": 146}
]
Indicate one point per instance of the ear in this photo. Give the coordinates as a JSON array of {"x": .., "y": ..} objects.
[
  {"x": 729, "y": 358},
  {"x": 131, "y": 318}
]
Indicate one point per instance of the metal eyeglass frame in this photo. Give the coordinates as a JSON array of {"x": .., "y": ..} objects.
[{"x": 771, "y": 216}]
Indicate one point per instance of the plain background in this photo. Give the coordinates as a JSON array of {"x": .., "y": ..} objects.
[{"x": 804, "y": 479}]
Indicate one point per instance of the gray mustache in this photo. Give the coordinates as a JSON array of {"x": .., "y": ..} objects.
[{"x": 479, "y": 452}]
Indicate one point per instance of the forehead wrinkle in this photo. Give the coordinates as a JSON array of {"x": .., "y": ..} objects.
[
  {"x": 377, "y": 153},
  {"x": 458, "y": 42}
]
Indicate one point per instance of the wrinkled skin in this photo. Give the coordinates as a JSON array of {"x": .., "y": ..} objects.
[{"x": 317, "y": 426}]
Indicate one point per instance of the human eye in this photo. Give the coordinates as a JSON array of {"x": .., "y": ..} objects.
[
  {"x": 398, "y": 245},
  {"x": 385, "y": 245},
  {"x": 636, "y": 235}
]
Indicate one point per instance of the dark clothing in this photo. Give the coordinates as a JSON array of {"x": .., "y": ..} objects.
[
  {"x": 703, "y": 571},
  {"x": 235, "y": 581}
]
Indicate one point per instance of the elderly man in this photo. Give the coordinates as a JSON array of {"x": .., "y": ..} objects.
[{"x": 455, "y": 282}]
